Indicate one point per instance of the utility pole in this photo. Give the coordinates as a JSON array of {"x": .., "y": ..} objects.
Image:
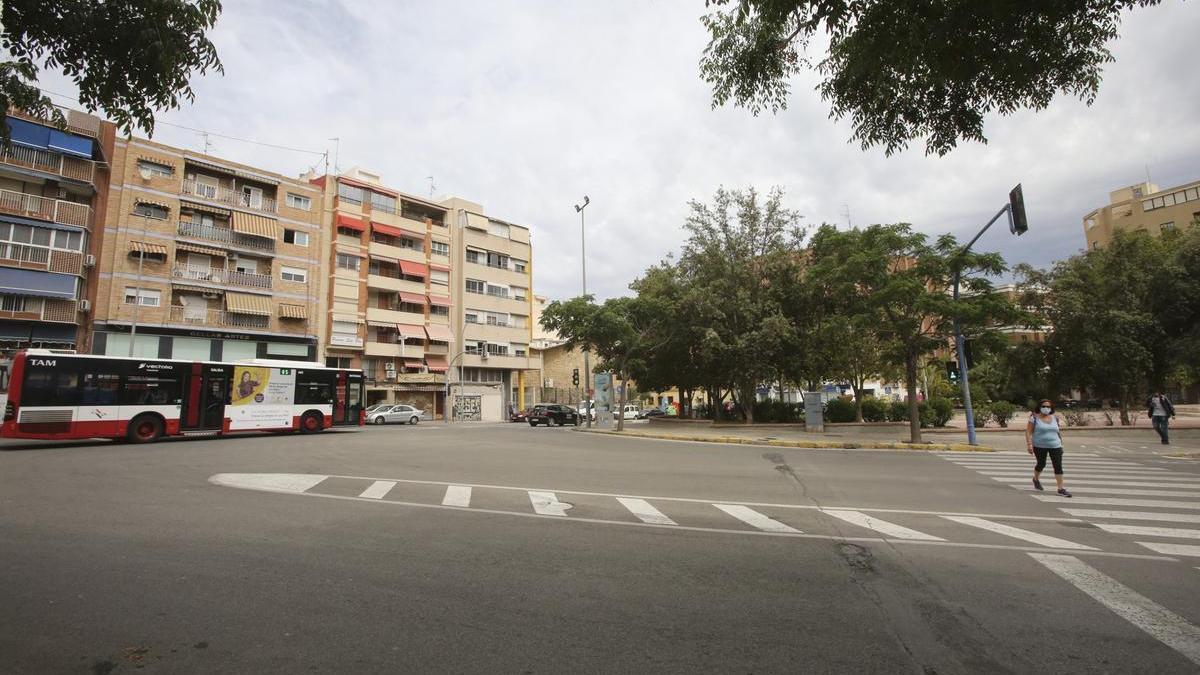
[{"x": 587, "y": 369}]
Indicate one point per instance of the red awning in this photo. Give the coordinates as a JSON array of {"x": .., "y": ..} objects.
[
  {"x": 437, "y": 364},
  {"x": 413, "y": 363},
  {"x": 414, "y": 269},
  {"x": 409, "y": 330},
  {"x": 414, "y": 298},
  {"x": 440, "y": 268},
  {"x": 386, "y": 229},
  {"x": 439, "y": 300},
  {"x": 439, "y": 333},
  {"x": 350, "y": 222}
]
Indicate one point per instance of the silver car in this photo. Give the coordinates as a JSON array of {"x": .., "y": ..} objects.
[{"x": 404, "y": 414}]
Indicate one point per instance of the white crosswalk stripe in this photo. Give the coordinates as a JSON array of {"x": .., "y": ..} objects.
[
  {"x": 1025, "y": 480},
  {"x": 457, "y": 495},
  {"x": 1028, "y": 485},
  {"x": 378, "y": 489},
  {"x": 1133, "y": 515},
  {"x": 1090, "y": 474},
  {"x": 1172, "y": 549},
  {"x": 1117, "y": 501},
  {"x": 755, "y": 519},
  {"x": 1018, "y": 533},
  {"x": 881, "y": 526},
  {"x": 645, "y": 511},
  {"x": 1146, "y": 531},
  {"x": 547, "y": 504}
]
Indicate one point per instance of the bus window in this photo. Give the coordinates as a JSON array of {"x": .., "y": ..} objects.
[
  {"x": 47, "y": 387},
  {"x": 158, "y": 389},
  {"x": 100, "y": 388},
  {"x": 314, "y": 387}
]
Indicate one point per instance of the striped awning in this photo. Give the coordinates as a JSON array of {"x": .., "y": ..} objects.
[
  {"x": 413, "y": 363},
  {"x": 440, "y": 333},
  {"x": 409, "y": 330},
  {"x": 247, "y": 303},
  {"x": 204, "y": 208},
  {"x": 414, "y": 298},
  {"x": 200, "y": 249},
  {"x": 293, "y": 312},
  {"x": 151, "y": 202},
  {"x": 147, "y": 249},
  {"x": 384, "y": 229},
  {"x": 183, "y": 286},
  {"x": 207, "y": 164},
  {"x": 437, "y": 364},
  {"x": 350, "y": 222},
  {"x": 256, "y": 225},
  {"x": 439, "y": 300},
  {"x": 414, "y": 269}
]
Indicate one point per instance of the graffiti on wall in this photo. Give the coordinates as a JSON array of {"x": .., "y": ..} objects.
[{"x": 468, "y": 408}]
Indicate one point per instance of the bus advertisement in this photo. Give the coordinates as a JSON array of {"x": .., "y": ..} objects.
[{"x": 55, "y": 395}]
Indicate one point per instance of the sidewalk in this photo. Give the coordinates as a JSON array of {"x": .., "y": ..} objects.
[{"x": 790, "y": 436}]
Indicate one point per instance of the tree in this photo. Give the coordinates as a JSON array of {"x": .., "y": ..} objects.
[
  {"x": 906, "y": 70},
  {"x": 126, "y": 57},
  {"x": 676, "y": 361}
]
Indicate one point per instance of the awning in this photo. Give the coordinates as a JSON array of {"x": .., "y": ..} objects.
[
  {"x": 27, "y": 133},
  {"x": 70, "y": 144},
  {"x": 414, "y": 298},
  {"x": 204, "y": 208},
  {"x": 200, "y": 249},
  {"x": 151, "y": 202},
  {"x": 380, "y": 324},
  {"x": 247, "y": 303},
  {"x": 293, "y": 312},
  {"x": 368, "y": 186},
  {"x": 409, "y": 330},
  {"x": 414, "y": 269},
  {"x": 146, "y": 248},
  {"x": 413, "y": 363},
  {"x": 183, "y": 286},
  {"x": 40, "y": 284},
  {"x": 350, "y": 222},
  {"x": 440, "y": 268},
  {"x": 349, "y": 319},
  {"x": 412, "y": 233},
  {"x": 437, "y": 364},
  {"x": 17, "y": 220},
  {"x": 439, "y": 300},
  {"x": 256, "y": 225},
  {"x": 258, "y": 177},
  {"x": 440, "y": 333},
  {"x": 385, "y": 229}
]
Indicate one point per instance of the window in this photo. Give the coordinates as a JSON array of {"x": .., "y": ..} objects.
[
  {"x": 348, "y": 262},
  {"x": 50, "y": 387},
  {"x": 338, "y": 361},
  {"x": 519, "y": 265},
  {"x": 299, "y": 202},
  {"x": 345, "y": 327},
  {"x": 439, "y": 277},
  {"x": 497, "y": 349},
  {"x": 17, "y": 303},
  {"x": 482, "y": 374},
  {"x": 293, "y": 274},
  {"x": 471, "y": 317},
  {"x": 70, "y": 241},
  {"x": 438, "y": 310},
  {"x": 518, "y": 293},
  {"x": 295, "y": 237},
  {"x": 1192, "y": 193},
  {"x": 497, "y": 291},
  {"x": 498, "y": 229},
  {"x": 517, "y": 320},
  {"x": 100, "y": 388},
  {"x": 350, "y": 233},
  {"x": 1095, "y": 246},
  {"x": 154, "y": 169},
  {"x": 349, "y": 194},
  {"x": 439, "y": 248},
  {"x": 150, "y": 210},
  {"x": 314, "y": 387},
  {"x": 146, "y": 297},
  {"x": 411, "y": 244},
  {"x": 473, "y": 347},
  {"x": 496, "y": 319},
  {"x": 1167, "y": 226},
  {"x": 474, "y": 256},
  {"x": 475, "y": 286},
  {"x": 383, "y": 202},
  {"x": 520, "y": 350},
  {"x": 497, "y": 260},
  {"x": 252, "y": 197},
  {"x": 163, "y": 387}
]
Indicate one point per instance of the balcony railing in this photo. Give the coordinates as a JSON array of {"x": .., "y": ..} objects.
[
  {"x": 77, "y": 122},
  {"x": 40, "y": 258},
  {"x": 220, "y": 276},
  {"x": 219, "y": 318},
  {"x": 225, "y": 235},
  {"x": 227, "y": 196},
  {"x": 43, "y": 309},
  {"x": 50, "y": 162},
  {"x": 44, "y": 208}
]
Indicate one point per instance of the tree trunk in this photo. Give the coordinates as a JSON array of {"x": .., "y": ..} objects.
[
  {"x": 624, "y": 396},
  {"x": 910, "y": 381},
  {"x": 1125, "y": 421},
  {"x": 858, "y": 397},
  {"x": 748, "y": 394}
]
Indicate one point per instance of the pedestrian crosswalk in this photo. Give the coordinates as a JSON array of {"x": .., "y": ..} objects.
[{"x": 1130, "y": 492}]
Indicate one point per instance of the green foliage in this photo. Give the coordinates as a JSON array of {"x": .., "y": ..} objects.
[
  {"x": 1076, "y": 417},
  {"x": 901, "y": 71},
  {"x": 897, "y": 411},
  {"x": 778, "y": 412},
  {"x": 983, "y": 413},
  {"x": 839, "y": 410},
  {"x": 941, "y": 411},
  {"x": 1002, "y": 412},
  {"x": 125, "y": 57},
  {"x": 874, "y": 410}
]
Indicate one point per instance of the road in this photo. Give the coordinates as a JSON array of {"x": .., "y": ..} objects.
[{"x": 501, "y": 548}]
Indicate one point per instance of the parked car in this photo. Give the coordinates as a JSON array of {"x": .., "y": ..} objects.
[
  {"x": 404, "y": 414},
  {"x": 584, "y": 409},
  {"x": 651, "y": 412},
  {"x": 372, "y": 408},
  {"x": 519, "y": 415},
  {"x": 553, "y": 414},
  {"x": 632, "y": 412}
]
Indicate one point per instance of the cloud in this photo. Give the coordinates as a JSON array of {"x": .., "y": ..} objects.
[{"x": 526, "y": 106}]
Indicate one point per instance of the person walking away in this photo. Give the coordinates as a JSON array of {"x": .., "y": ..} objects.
[
  {"x": 1043, "y": 437},
  {"x": 1160, "y": 410}
]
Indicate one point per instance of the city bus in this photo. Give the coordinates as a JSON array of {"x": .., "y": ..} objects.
[{"x": 58, "y": 395}]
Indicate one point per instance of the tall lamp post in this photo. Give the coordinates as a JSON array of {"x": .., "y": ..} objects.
[
  {"x": 587, "y": 370},
  {"x": 1018, "y": 225},
  {"x": 137, "y": 298}
]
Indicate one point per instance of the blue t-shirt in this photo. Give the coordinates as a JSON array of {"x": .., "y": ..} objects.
[{"x": 1045, "y": 434}]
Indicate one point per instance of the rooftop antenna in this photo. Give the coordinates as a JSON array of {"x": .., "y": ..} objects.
[
  {"x": 207, "y": 142},
  {"x": 1147, "y": 174},
  {"x": 337, "y": 145},
  {"x": 432, "y": 187},
  {"x": 846, "y": 212}
]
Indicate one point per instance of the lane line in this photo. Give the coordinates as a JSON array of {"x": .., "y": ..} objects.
[
  {"x": 1176, "y": 532},
  {"x": 1172, "y": 549},
  {"x": 1135, "y": 515},
  {"x": 645, "y": 511},
  {"x": 457, "y": 495},
  {"x": 1117, "y": 501},
  {"x": 1159, "y": 622},
  {"x": 1114, "y": 491},
  {"x": 881, "y": 526},
  {"x": 1113, "y": 476},
  {"x": 1117, "y": 483},
  {"x": 378, "y": 489},
  {"x": 1018, "y": 533},
  {"x": 754, "y": 518},
  {"x": 547, "y": 504},
  {"x": 1029, "y": 459}
]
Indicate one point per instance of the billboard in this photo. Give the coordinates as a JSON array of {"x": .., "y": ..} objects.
[{"x": 261, "y": 398}]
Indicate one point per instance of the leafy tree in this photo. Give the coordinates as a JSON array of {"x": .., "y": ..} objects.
[
  {"x": 906, "y": 70},
  {"x": 676, "y": 362},
  {"x": 126, "y": 57}
]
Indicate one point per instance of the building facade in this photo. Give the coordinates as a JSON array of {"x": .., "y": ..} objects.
[
  {"x": 1142, "y": 207},
  {"x": 202, "y": 258},
  {"x": 53, "y": 186}
]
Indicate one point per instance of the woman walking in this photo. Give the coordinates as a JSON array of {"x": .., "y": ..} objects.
[{"x": 1043, "y": 437}]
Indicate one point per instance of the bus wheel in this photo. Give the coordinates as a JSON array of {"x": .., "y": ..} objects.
[
  {"x": 145, "y": 429},
  {"x": 311, "y": 422}
]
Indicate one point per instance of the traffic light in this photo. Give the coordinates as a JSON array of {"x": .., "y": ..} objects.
[
  {"x": 952, "y": 371},
  {"x": 1016, "y": 203},
  {"x": 575, "y": 377}
]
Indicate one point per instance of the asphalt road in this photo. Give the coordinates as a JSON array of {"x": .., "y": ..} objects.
[{"x": 501, "y": 548}]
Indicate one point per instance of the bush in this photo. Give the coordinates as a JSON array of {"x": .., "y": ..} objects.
[
  {"x": 778, "y": 411},
  {"x": 941, "y": 411},
  {"x": 839, "y": 410},
  {"x": 897, "y": 411},
  {"x": 874, "y": 410},
  {"x": 983, "y": 413},
  {"x": 1075, "y": 417},
  {"x": 1002, "y": 412}
]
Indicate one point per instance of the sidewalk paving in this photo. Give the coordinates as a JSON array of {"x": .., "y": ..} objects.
[{"x": 789, "y": 437}]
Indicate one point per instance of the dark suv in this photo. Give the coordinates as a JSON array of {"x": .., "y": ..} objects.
[{"x": 549, "y": 414}]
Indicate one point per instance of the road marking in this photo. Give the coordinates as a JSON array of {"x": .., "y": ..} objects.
[
  {"x": 1018, "y": 533},
  {"x": 754, "y": 518},
  {"x": 1161, "y": 623},
  {"x": 1135, "y": 515},
  {"x": 457, "y": 495},
  {"x": 1177, "y": 478},
  {"x": 1172, "y": 549},
  {"x": 547, "y": 504},
  {"x": 378, "y": 489},
  {"x": 1026, "y": 487},
  {"x": 881, "y": 526},
  {"x": 269, "y": 482},
  {"x": 1118, "y": 483},
  {"x": 1117, "y": 501},
  {"x": 1176, "y": 532},
  {"x": 645, "y": 511},
  {"x": 1030, "y": 459}
]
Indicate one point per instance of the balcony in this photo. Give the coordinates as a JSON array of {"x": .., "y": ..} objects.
[
  {"x": 52, "y": 163},
  {"x": 229, "y": 197},
  {"x": 44, "y": 309},
  {"x": 225, "y": 235},
  {"x": 390, "y": 349},
  {"x": 77, "y": 122},
  {"x": 44, "y": 208},
  {"x": 394, "y": 284},
  {"x": 215, "y": 275},
  {"x": 388, "y": 316},
  {"x": 395, "y": 252},
  {"x": 40, "y": 258},
  {"x": 219, "y": 318}
]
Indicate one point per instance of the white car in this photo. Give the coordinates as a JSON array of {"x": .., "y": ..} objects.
[
  {"x": 404, "y": 414},
  {"x": 632, "y": 412}
]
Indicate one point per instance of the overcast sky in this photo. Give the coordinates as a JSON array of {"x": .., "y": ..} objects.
[{"x": 526, "y": 106}]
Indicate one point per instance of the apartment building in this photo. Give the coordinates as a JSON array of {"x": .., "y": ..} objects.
[
  {"x": 493, "y": 308},
  {"x": 203, "y": 258},
  {"x": 53, "y": 183},
  {"x": 1142, "y": 207},
  {"x": 389, "y": 289}
]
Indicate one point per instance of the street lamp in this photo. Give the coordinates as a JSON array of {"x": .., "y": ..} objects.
[
  {"x": 587, "y": 370},
  {"x": 137, "y": 294}
]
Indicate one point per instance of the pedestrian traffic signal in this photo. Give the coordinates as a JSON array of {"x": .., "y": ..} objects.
[
  {"x": 575, "y": 377},
  {"x": 1016, "y": 204},
  {"x": 952, "y": 371}
]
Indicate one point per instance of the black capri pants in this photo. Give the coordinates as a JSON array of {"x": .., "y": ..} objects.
[{"x": 1055, "y": 458}]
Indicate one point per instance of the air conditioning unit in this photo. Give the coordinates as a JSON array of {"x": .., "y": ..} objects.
[
  {"x": 210, "y": 296},
  {"x": 85, "y": 305},
  {"x": 233, "y": 256},
  {"x": 89, "y": 260}
]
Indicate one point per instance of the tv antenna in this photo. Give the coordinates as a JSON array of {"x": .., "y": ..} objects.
[{"x": 432, "y": 186}]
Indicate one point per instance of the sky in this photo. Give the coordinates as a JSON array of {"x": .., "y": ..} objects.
[{"x": 525, "y": 106}]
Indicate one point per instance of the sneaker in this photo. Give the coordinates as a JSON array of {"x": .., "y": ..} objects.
[
  {"x": 1063, "y": 492},
  {"x": 1037, "y": 484}
]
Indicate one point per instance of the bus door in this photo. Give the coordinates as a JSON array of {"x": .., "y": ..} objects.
[
  {"x": 207, "y": 395},
  {"x": 348, "y": 392}
]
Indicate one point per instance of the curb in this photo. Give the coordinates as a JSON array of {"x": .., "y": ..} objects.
[{"x": 833, "y": 445}]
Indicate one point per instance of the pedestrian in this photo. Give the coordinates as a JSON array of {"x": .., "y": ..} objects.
[
  {"x": 1043, "y": 437},
  {"x": 1160, "y": 410}
]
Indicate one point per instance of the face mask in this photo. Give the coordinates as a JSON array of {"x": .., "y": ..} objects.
[{"x": 1045, "y": 410}]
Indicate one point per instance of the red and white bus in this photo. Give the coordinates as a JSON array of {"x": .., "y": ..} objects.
[{"x": 61, "y": 395}]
